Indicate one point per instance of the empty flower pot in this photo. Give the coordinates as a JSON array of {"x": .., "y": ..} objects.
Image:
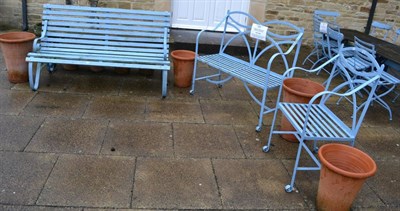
[
  {"x": 183, "y": 61},
  {"x": 15, "y": 46},
  {"x": 297, "y": 90},
  {"x": 344, "y": 170}
]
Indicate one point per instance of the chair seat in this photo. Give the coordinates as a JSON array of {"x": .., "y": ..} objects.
[
  {"x": 238, "y": 68},
  {"x": 323, "y": 124},
  {"x": 357, "y": 63}
]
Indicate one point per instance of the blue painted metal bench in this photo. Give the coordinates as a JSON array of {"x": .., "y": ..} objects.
[
  {"x": 266, "y": 76},
  {"x": 105, "y": 37}
]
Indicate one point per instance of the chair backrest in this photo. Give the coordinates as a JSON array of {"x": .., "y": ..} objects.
[
  {"x": 329, "y": 16},
  {"x": 357, "y": 81},
  {"x": 396, "y": 35},
  {"x": 384, "y": 28},
  {"x": 334, "y": 40},
  {"x": 370, "y": 48},
  {"x": 277, "y": 40}
]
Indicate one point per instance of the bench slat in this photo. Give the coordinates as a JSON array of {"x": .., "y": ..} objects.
[
  {"x": 102, "y": 9},
  {"x": 104, "y": 37},
  {"x": 146, "y": 56},
  {"x": 103, "y": 64},
  {"x": 100, "y": 57},
  {"x": 104, "y": 32},
  {"x": 103, "y": 47},
  {"x": 149, "y": 54},
  {"x": 107, "y": 21},
  {"x": 103, "y": 42},
  {"x": 105, "y": 26},
  {"x": 122, "y": 16}
]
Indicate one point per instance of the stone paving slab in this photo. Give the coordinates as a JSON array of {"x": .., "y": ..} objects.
[
  {"x": 4, "y": 83},
  {"x": 386, "y": 182},
  {"x": 134, "y": 86},
  {"x": 116, "y": 107},
  {"x": 254, "y": 184},
  {"x": 381, "y": 143},
  {"x": 228, "y": 112},
  {"x": 138, "y": 139},
  {"x": 17, "y": 131},
  {"x": 69, "y": 136},
  {"x": 57, "y": 104},
  {"x": 174, "y": 111},
  {"x": 175, "y": 183},
  {"x": 91, "y": 181},
  {"x": 95, "y": 85},
  {"x": 23, "y": 176},
  {"x": 13, "y": 102},
  {"x": 206, "y": 141}
]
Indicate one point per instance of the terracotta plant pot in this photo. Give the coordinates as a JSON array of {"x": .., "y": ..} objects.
[
  {"x": 15, "y": 47},
  {"x": 297, "y": 90},
  {"x": 343, "y": 172},
  {"x": 183, "y": 67}
]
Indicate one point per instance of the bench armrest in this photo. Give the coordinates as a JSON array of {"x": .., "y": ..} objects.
[
  {"x": 36, "y": 42},
  {"x": 208, "y": 30}
]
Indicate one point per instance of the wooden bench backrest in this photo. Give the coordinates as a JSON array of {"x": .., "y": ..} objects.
[{"x": 116, "y": 31}]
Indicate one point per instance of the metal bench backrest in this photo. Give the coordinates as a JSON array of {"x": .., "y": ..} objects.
[
  {"x": 115, "y": 31},
  {"x": 276, "y": 40}
]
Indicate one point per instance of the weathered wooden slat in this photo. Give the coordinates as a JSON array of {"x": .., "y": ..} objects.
[
  {"x": 107, "y": 21},
  {"x": 102, "y": 9},
  {"x": 103, "y": 42},
  {"x": 103, "y": 32},
  {"x": 108, "y": 15},
  {"x": 105, "y": 26},
  {"x": 67, "y": 50},
  {"x": 98, "y": 57},
  {"x": 104, "y": 37}
]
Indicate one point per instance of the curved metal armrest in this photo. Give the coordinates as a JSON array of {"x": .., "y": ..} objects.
[
  {"x": 36, "y": 42},
  {"x": 205, "y": 30},
  {"x": 291, "y": 70}
]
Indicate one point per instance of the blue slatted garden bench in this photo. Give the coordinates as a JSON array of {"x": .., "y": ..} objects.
[
  {"x": 107, "y": 37},
  {"x": 281, "y": 39}
]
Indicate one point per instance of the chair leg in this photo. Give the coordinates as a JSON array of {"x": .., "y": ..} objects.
[
  {"x": 260, "y": 119},
  {"x": 194, "y": 76},
  {"x": 267, "y": 147},
  {"x": 34, "y": 77},
  {"x": 289, "y": 188}
]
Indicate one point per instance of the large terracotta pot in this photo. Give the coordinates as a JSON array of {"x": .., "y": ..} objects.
[
  {"x": 183, "y": 67},
  {"x": 343, "y": 172},
  {"x": 297, "y": 90},
  {"x": 15, "y": 47}
]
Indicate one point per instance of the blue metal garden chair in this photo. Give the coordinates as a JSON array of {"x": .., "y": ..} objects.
[
  {"x": 318, "y": 122},
  {"x": 320, "y": 16},
  {"x": 379, "y": 29}
]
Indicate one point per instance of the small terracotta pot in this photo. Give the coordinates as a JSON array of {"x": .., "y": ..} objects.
[
  {"x": 297, "y": 90},
  {"x": 15, "y": 47},
  {"x": 183, "y": 67},
  {"x": 343, "y": 172}
]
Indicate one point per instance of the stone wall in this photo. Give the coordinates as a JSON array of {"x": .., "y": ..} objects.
[{"x": 354, "y": 13}]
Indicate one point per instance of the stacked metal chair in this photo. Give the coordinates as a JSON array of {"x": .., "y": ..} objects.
[
  {"x": 320, "y": 16},
  {"x": 317, "y": 122},
  {"x": 382, "y": 27},
  {"x": 393, "y": 65}
]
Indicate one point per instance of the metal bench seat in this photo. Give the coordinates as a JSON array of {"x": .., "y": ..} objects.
[
  {"x": 96, "y": 36},
  {"x": 322, "y": 123},
  {"x": 251, "y": 74}
]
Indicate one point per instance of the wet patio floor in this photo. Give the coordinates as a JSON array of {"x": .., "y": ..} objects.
[{"x": 104, "y": 140}]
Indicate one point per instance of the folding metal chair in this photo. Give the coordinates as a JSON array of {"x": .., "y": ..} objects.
[
  {"x": 382, "y": 27},
  {"x": 318, "y": 122},
  {"x": 318, "y": 17}
]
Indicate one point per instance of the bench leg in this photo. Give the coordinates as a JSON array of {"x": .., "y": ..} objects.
[
  {"x": 34, "y": 78},
  {"x": 164, "y": 83}
]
